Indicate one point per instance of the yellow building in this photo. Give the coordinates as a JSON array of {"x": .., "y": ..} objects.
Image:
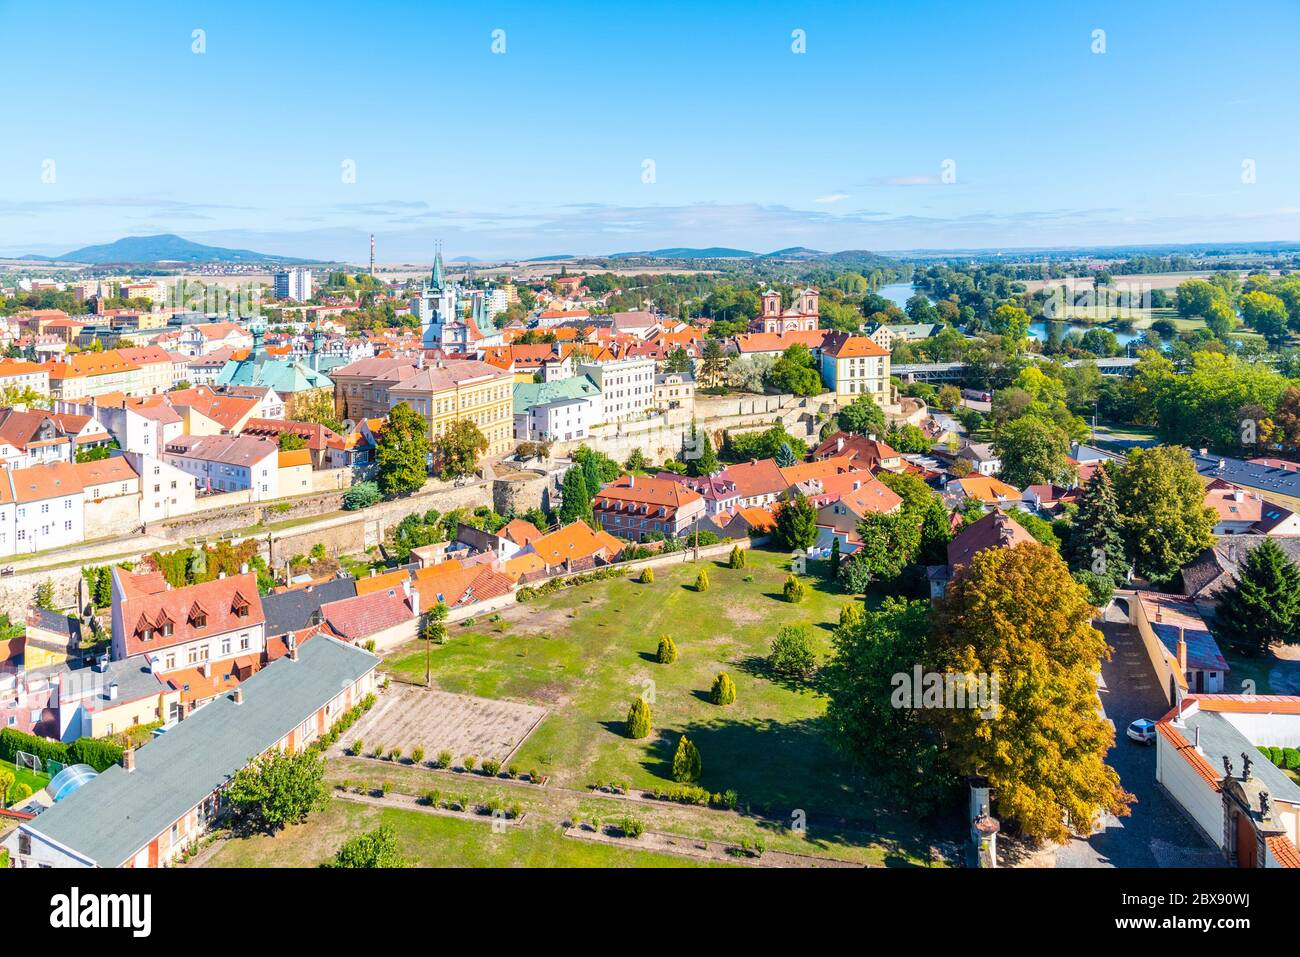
[
  {"x": 853, "y": 366},
  {"x": 462, "y": 389}
]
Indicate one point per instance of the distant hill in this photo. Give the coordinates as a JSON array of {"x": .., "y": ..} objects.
[
  {"x": 166, "y": 247},
  {"x": 687, "y": 252},
  {"x": 796, "y": 252}
]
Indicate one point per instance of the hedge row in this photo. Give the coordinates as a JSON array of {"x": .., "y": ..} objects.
[{"x": 100, "y": 755}]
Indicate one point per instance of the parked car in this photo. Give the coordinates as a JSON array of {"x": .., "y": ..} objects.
[{"x": 1143, "y": 731}]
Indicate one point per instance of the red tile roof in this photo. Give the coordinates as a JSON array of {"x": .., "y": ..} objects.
[
  {"x": 216, "y": 604},
  {"x": 366, "y": 615}
]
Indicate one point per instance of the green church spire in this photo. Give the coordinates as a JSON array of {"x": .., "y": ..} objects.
[{"x": 437, "y": 269}]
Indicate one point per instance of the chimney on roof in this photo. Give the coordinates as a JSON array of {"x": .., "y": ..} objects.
[
  {"x": 239, "y": 696},
  {"x": 221, "y": 575},
  {"x": 243, "y": 568},
  {"x": 128, "y": 760},
  {"x": 292, "y": 642},
  {"x": 839, "y": 444},
  {"x": 1182, "y": 650}
]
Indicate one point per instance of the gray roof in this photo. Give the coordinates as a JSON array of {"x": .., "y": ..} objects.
[
  {"x": 1219, "y": 737},
  {"x": 1217, "y": 566},
  {"x": 112, "y": 817},
  {"x": 291, "y": 610},
  {"x": 1257, "y": 477}
]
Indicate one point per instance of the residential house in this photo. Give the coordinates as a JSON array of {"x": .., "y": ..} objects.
[
  {"x": 556, "y": 411},
  {"x": 862, "y": 451},
  {"x": 854, "y": 366},
  {"x": 994, "y": 530},
  {"x": 633, "y": 507},
  {"x": 627, "y": 387},
  {"x": 227, "y": 463},
  {"x": 162, "y": 799},
  {"x": 461, "y": 389}
]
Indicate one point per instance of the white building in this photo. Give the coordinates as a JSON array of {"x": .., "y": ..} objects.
[
  {"x": 558, "y": 411},
  {"x": 627, "y": 387},
  {"x": 227, "y": 463},
  {"x": 49, "y": 508},
  {"x": 165, "y": 490},
  {"x": 293, "y": 284}
]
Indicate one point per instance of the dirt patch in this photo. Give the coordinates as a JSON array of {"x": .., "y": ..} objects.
[{"x": 408, "y": 717}]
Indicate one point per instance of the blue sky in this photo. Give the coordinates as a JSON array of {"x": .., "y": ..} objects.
[{"x": 541, "y": 149}]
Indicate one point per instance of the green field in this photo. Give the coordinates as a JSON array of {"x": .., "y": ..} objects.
[
  {"x": 429, "y": 840},
  {"x": 25, "y": 776},
  {"x": 587, "y": 652}
]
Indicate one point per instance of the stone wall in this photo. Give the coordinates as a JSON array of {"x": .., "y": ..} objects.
[{"x": 112, "y": 516}]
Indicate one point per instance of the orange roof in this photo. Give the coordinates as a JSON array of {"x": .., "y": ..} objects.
[
  {"x": 391, "y": 579},
  {"x": 803, "y": 471},
  {"x": 522, "y": 565},
  {"x": 759, "y": 518},
  {"x": 11, "y": 367},
  {"x": 89, "y": 364},
  {"x": 113, "y": 469},
  {"x": 985, "y": 488},
  {"x": 779, "y": 341},
  {"x": 520, "y": 532},
  {"x": 842, "y": 345},
  {"x": 214, "y": 603},
  {"x": 51, "y": 480},
  {"x": 575, "y": 542},
  {"x": 295, "y": 457},
  {"x": 1283, "y": 850}
]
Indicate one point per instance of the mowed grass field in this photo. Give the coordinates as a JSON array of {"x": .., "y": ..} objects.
[
  {"x": 428, "y": 840},
  {"x": 586, "y": 652}
]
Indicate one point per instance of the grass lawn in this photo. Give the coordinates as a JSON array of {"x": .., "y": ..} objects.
[
  {"x": 587, "y": 652},
  {"x": 429, "y": 840},
  {"x": 25, "y": 776},
  {"x": 1247, "y": 668}
]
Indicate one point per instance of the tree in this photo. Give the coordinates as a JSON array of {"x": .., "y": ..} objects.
[
  {"x": 667, "y": 651},
  {"x": 1166, "y": 522},
  {"x": 697, "y": 452},
  {"x": 724, "y": 689},
  {"x": 1266, "y": 314},
  {"x": 373, "y": 849},
  {"x": 638, "y": 719},
  {"x": 889, "y": 543},
  {"x": 895, "y": 744},
  {"x": 636, "y": 462},
  {"x": 687, "y": 766},
  {"x": 361, "y": 495},
  {"x": 796, "y": 523},
  {"x": 1095, "y": 541},
  {"x": 796, "y": 372},
  {"x": 936, "y": 533},
  {"x": 785, "y": 456},
  {"x": 1010, "y": 321},
  {"x": 647, "y": 576},
  {"x": 291, "y": 441},
  {"x": 456, "y": 450},
  {"x": 317, "y": 405},
  {"x": 833, "y": 564},
  {"x": 575, "y": 504},
  {"x": 279, "y": 788},
  {"x": 949, "y": 397},
  {"x": 702, "y": 580},
  {"x": 1016, "y": 615},
  {"x": 1099, "y": 587},
  {"x": 678, "y": 361},
  {"x": 1263, "y": 604},
  {"x": 45, "y": 595},
  {"x": 1033, "y": 451},
  {"x": 737, "y": 558},
  {"x": 792, "y": 653},
  {"x": 863, "y": 415},
  {"x": 402, "y": 452},
  {"x": 793, "y": 590}
]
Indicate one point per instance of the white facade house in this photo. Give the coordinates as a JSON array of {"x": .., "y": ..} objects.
[
  {"x": 227, "y": 463},
  {"x": 627, "y": 387},
  {"x": 165, "y": 490},
  {"x": 48, "y": 508}
]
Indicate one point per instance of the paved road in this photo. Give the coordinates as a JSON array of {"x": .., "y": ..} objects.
[{"x": 1155, "y": 834}]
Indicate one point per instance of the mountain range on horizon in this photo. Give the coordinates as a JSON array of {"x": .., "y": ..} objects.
[{"x": 162, "y": 248}]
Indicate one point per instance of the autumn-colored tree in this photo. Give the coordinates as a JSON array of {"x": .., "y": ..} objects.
[
  {"x": 1016, "y": 615},
  {"x": 456, "y": 450}
]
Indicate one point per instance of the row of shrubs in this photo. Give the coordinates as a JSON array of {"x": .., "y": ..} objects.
[
  {"x": 1288, "y": 758},
  {"x": 490, "y": 767},
  {"x": 528, "y": 592},
  {"x": 694, "y": 794},
  {"x": 345, "y": 721},
  {"x": 629, "y": 827},
  {"x": 100, "y": 755},
  {"x": 493, "y": 805}
]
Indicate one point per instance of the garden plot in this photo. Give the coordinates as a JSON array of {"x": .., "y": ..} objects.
[{"x": 408, "y": 717}]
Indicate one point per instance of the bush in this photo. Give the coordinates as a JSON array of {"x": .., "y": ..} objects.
[
  {"x": 395, "y": 754},
  {"x": 1290, "y": 758},
  {"x": 647, "y": 576},
  {"x": 417, "y": 754},
  {"x": 724, "y": 689},
  {"x": 432, "y": 798},
  {"x": 702, "y": 580},
  {"x": 491, "y": 767},
  {"x": 468, "y": 762},
  {"x": 357, "y": 746},
  {"x": 1100, "y": 588},
  {"x": 792, "y": 653},
  {"x": 361, "y": 495},
  {"x": 667, "y": 652},
  {"x": 377, "y": 751},
  {"x": 443, "y": 760},
  {"x": 793, "y": 590},
  {"x": 737, "y": 559},
  {"x": 631, "y": 827},
  {"x": 687, "y": 765},
  {"x": 638, "y": 719}
]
